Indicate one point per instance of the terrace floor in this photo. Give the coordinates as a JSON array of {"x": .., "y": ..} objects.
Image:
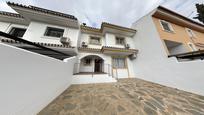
[{"x": 126, "y": 97}]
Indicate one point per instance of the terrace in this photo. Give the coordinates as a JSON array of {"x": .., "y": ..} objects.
[{"x": 126, "y": 97}]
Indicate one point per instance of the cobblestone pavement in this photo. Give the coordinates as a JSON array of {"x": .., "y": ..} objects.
[{"x": 127, "y": 97}]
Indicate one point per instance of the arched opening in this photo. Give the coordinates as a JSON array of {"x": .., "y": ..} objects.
[{"x": 91, "y": 64}]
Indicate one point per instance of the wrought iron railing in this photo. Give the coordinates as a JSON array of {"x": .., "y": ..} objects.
[{"x": 94, "y": 69}]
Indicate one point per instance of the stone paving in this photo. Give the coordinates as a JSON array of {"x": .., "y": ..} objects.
[{"x": 126, "y": 97}]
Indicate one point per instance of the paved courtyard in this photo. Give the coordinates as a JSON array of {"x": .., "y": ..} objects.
[{"x": 127, "y": 97}]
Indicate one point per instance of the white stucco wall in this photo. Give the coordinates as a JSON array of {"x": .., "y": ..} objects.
[
  {"x": 29, "y": 81},
  {"x": 86, "y": 38},
  {"x": 6, "y": 27},
  {"x": 153, "y": 64},
  {"x": 111, "y": 41},
  {"x": 36, "y": 30}
]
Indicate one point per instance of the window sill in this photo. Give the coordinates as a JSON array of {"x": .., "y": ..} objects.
[
  {"x": 49, "y": 37},
  {"x": 169, "y": 31},
  {"x": 95, "y": 44}
]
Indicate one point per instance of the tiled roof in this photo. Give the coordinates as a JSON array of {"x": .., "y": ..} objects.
[
  {"x": 10, "y": 41},
  {"x": 105, "y": 24},
  {"x": 42, "y": 10},
  {"x": 89, "y": 49},
  {"x": 181, "y": 16},
  {"x": 10, "y": 14},
  {"x": 113, "y": 25}
]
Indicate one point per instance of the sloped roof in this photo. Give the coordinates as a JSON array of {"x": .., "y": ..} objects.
[
  {"x": 180, "y": 16},
  {"x": 42, "y": 10},
  {"x": 10, "y": 14}
]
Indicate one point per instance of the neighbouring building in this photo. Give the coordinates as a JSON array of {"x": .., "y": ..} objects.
[{"x": 170, "y": 50}]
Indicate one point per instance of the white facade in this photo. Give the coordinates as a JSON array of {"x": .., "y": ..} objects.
[
  {"x": 109, "y": 39},
  {"x": 36, "y": 31},
  {"x": 153, "y": 64}
]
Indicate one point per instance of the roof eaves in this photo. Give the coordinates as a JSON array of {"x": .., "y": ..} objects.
[{"x": 42, "y": 10}]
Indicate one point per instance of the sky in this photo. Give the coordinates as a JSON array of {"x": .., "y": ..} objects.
[{"x": 120, "y": 12}]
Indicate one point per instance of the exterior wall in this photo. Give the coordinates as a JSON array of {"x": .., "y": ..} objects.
[
  {"x": 36, "y": 30},
  {"x": 179, "y": 35},
  {"x": 111, "y": 41},
  {"x": 86, "y": 38},
  {"x": 153, "y": 64},
  {"x": 30, "y": 81},
  {"x": 119, "y": 73},
  {"x": 6, "y": 27}
]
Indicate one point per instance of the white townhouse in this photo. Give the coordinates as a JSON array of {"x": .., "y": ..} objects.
[
  {"x": 108, "y": 50},
  {"x": 41, "y": 26}
]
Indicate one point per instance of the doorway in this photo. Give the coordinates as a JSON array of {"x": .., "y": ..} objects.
[{"x": 98, "y": 65}]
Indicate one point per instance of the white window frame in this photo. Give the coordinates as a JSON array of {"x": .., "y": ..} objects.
[
  {"x": 169, "y": 24},
  {"x": 95, "y": 43},
  {"x": 192, "y": 34},
  {"x": 125, "y": 63},
  {"x": 50, "y": 37},
  {"x": 193, "y": 48},
  {"x": 120, "y": 38}
]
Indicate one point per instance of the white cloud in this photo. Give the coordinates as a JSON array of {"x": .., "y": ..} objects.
[{"x": 121, "y": 12}]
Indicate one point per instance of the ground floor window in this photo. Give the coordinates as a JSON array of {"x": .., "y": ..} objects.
[
  {"x": 119, "y": 63},
  {"x": 87, "y": 61}
]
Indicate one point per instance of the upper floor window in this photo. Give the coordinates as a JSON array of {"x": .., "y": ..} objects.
[
  {"x": 17, "y": 32},
  {"x": 166, "y": 26},
  {"x": 120, "y": 40},
  {"x": 54, "y": 32},
  {"x": 190, "y": 33},
  {"x": 95, "y": 40}
]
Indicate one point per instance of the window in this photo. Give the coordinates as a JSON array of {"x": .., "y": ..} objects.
[
  {"x": 87, "y": 61},
  {"x": 54, "y": 32},
  {"x": 190, "y": 33},
  {"x": 191, "y": 45},
  {"x": 17, "y": 32},
  {"x": 166, "y": 26},
  {"x": 120, "y": 40},
  {"x": 95, "y": 40},
  {"x": 119, "y": 63}
]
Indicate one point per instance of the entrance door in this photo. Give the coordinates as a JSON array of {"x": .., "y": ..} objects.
[{"x": 98, "y": 65}]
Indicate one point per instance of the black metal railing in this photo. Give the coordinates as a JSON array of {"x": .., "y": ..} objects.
[
  {"x": 33, "y": 47},
  {"x": 190, "y": 55},
  {"x": 92, "y": 69}
]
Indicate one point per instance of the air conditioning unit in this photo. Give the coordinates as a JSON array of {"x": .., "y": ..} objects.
[
  {"x": 65, "y": 41},
  {"x": 127, "y": 46},
  {"x": 133, "y": 56},
  {"x": 84, "y": 45}
]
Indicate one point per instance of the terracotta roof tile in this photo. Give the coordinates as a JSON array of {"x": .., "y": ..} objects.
[
  {"x": 10, "y": 14},
  {"x": 42, "y": 10}
]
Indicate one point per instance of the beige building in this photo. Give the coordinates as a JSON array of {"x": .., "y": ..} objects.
[{"x": 178, "y": 32}]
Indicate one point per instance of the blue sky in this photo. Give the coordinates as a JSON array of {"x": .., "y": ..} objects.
[{"x": 120, "y": 12}]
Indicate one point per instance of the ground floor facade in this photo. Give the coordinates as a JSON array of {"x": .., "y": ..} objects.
[{"x": 117, "y": 66}]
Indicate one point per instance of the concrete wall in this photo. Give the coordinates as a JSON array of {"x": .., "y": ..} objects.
[
  {"x": 36, "y": 30},
  {"x": 30, "y": 81},
  {"x": 153, "y": 64}
]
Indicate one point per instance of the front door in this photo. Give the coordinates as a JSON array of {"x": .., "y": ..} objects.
[{"x": 98, "y": 65}]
